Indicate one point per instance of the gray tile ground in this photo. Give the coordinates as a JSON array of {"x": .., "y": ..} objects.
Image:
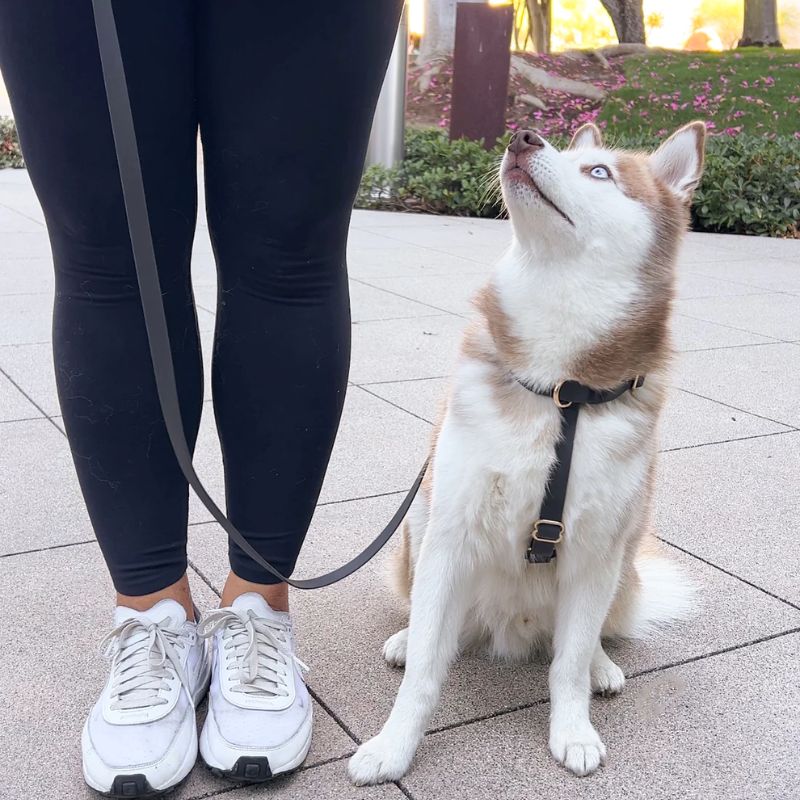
[
  {"x": 761, "y": 380},
  {"x": 691, "y": 334},
  {"x": 25, "y": 275},
  {"x": 13, "y": 403},
  {"x": 721, "y": 727},
  {"x": 774, "y": 315},
  {"x": 708, "y": 712},
  {"x": 747, "y": 519},
  {"x": 40, "y": 503}
]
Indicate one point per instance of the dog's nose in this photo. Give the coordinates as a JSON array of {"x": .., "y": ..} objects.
[{"x": 522, "y": 141}]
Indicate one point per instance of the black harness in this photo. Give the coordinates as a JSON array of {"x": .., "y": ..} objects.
[{"x": 569, "y": 396}]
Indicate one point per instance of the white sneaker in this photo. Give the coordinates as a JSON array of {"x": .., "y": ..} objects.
[
  {"x": 141, "y": 736},
  {"x": 259, "y": 710}
]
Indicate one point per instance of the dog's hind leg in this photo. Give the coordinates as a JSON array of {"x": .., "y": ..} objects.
[
  {"x": 607, "y": 678},
  {"x": 438, "y": 605},
  {"x": 402, "y": 573},
  {"x": 394, "y": 648}
]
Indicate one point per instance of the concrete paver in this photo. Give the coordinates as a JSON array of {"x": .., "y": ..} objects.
[
  {"x": 760, "y": 380},
  {"x": 746, "y": 517},
  {"x": 716, "y": 728}
]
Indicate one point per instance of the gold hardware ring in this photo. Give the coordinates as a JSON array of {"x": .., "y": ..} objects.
[
  {"x": 557, "y": 399},
  {"x": 535, "y": 535}
]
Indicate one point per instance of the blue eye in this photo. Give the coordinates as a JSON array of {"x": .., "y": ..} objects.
[{"x": 600, "y": 172}]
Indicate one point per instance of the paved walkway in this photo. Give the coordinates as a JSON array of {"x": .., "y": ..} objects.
[{"x": 711, "y": 709}]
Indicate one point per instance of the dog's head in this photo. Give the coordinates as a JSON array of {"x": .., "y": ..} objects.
[{"x": 591, "y": 199}]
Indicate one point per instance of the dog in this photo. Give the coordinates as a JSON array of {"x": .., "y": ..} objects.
[{"x": 583, "y": 293}]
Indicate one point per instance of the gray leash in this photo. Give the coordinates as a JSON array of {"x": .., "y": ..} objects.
[{"x": 130, "y": 172}]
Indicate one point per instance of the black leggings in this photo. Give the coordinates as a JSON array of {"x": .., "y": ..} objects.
[{"x": 283, "y": 95}]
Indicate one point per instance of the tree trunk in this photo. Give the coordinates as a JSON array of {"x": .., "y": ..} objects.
[
  {"x": 760, "y": 24},
  {"x": 540, "y": 15},
  {"x": 628, "y": 19},
  {"x": 440, "y": 30}
]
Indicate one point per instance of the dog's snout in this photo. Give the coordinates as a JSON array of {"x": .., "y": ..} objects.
[{"x": 522, "y": 141}]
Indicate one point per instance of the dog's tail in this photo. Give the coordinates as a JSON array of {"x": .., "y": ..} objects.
[{"x": 654, "y": 594}]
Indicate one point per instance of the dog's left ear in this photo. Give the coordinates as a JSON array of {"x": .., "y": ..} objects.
[
  {"x": 587, "y": 135},
  {"x": 679, "y": 160}
]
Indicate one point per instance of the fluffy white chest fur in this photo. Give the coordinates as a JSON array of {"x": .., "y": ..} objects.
[
  {"x": 500, "y": 487},
  {"x": 583, "y": 294},
  {"x": 495, "y": 451}
]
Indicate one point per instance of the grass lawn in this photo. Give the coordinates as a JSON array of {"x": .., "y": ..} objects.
[{"x": 752, "y": 91}]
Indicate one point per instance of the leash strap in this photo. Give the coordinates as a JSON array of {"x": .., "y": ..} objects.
[
  {"x": 569, "y": 396},
  {"x": 130, "y": 172}
]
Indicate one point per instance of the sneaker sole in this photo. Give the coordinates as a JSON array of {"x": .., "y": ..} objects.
[
  {"x": 137, "y": 786},
  {"x": 256, "y": 769},
  {"x": 239, "y": 773}
]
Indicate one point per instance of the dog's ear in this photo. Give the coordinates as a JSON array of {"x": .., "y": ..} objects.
[
  {"x": 679, "y": 160},
  {"x": 587, "y": 135}
]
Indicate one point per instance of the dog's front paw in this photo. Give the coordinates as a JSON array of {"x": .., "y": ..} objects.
[
  {"x": 377, "y": 761},
  {"x": 577, "y": 747},
  {"x": 394, "y": 648}
]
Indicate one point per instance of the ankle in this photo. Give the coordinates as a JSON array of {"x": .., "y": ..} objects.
[
  {"x": 178, "y": 591},
  {"x": 276, "y": 594}
]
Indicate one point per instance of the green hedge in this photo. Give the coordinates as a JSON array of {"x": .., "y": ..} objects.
[
  {"x": 751, "y": 184},
  {"x": 10, "y": 155}
]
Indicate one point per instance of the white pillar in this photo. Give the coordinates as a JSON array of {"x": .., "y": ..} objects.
[{"x": 387, "y": 138}]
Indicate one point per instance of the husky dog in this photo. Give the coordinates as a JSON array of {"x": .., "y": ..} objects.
[{"x": 584, "y": 293}]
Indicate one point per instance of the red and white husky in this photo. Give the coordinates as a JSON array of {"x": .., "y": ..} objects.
[{"x": 583, "y": 293}]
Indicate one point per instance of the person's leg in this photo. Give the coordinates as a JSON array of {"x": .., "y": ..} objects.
[
  {"x": 286, "y": 99},
  {"x": 135, "y": 493},
  {"x": 140, "y": 737}
]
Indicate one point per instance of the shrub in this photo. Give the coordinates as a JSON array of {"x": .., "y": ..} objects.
[
  {"x": 436, "y": 177},
  {"x": 10, "y": 154},
  {"x": 751, "y": 184}
]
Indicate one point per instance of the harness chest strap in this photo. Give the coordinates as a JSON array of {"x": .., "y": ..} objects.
[{"x": 569, "y": 396}]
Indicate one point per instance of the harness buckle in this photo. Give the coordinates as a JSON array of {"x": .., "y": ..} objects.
[
  {"x": 535, "y": 533},
  {"x": 557, "y": 400}
]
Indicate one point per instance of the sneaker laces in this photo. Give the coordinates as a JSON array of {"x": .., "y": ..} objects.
[
  {"x": 258, "y": 647},
  {"x": 144, "y": 661}
]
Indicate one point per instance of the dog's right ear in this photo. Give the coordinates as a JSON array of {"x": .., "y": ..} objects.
[
  {"x": 679, "y": 160},
  {"x": 587, "y": 135}
]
